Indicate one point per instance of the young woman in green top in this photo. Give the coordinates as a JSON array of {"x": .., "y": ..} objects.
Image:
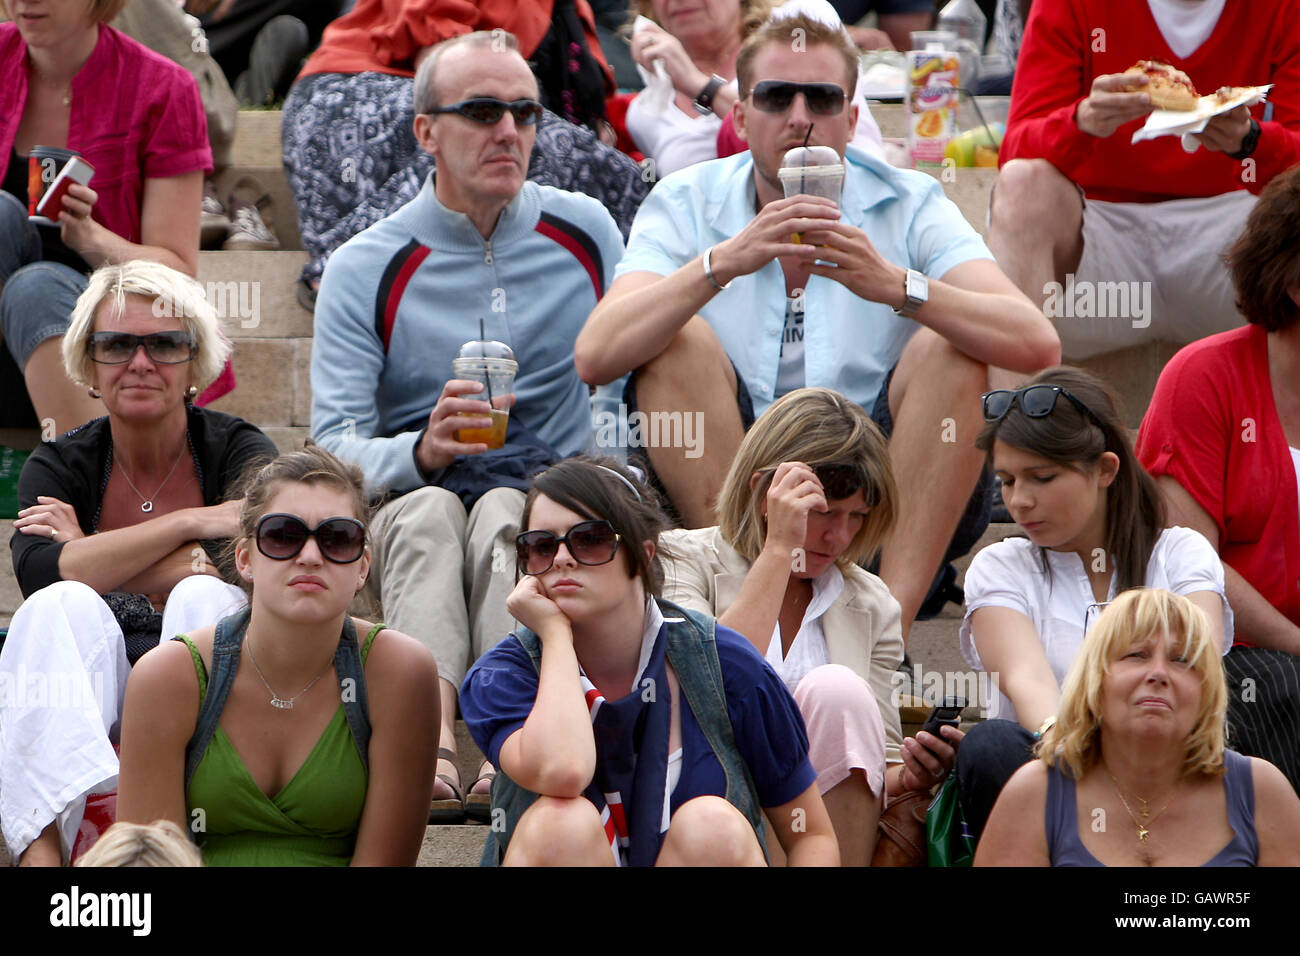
[{"x": 286, "y": 777}]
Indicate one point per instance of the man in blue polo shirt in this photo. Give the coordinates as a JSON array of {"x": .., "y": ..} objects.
[{"x": 892, "y": 299}]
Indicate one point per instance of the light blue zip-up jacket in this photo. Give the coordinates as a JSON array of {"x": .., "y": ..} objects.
[{"x": 424, "y": 277}]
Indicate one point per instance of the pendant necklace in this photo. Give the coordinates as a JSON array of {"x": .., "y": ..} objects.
[
  {"x": 147, "y": 503},
  {"x": 276, "y": 700}
]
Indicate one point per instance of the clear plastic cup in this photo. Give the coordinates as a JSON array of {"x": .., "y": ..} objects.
[
  {"x": 812, "y": 171},
  {"x": 493, "y": 365}
]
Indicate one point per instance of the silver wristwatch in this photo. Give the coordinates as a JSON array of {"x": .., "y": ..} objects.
[{"x": 916, "y": 290}]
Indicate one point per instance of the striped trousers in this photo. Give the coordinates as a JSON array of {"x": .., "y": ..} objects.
[{"x": 1264, "y": 707}]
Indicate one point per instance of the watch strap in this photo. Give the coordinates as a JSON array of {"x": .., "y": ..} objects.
[{"x": 704, "y": 100}]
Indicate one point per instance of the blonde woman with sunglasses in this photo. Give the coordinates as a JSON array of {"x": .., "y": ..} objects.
[{"x": 1093, "y": 526}]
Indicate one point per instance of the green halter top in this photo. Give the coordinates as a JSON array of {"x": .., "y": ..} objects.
[{"x": 313, "y": 821}]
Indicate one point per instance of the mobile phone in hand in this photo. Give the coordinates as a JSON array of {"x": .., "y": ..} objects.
[
  {"x": 946, "y": 714},
  {"x": 76, "y": 170}
]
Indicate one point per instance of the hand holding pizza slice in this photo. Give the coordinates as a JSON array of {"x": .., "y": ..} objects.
[{"x": 1169, "y": 88}]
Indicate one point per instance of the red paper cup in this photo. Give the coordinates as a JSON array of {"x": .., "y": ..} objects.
[{"x": 44, "y": 164}]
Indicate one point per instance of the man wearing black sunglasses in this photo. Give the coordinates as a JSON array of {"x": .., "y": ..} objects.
[
  {"x": 891, "y": 299},
  {"x": 480, "y": 248}
]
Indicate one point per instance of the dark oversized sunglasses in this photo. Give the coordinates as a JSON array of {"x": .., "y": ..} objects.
[
  {"x": 489, "y": 110},
  {"x": 775, "y": 96},
  {"x": 281, "y": 537},
  {"x": 590, "y": 543},
  {"x": 165, "y": 348},
  {"x": 1036, "y": 401}
]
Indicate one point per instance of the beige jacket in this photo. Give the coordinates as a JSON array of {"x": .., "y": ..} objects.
[{"x": 863, "y": 631}]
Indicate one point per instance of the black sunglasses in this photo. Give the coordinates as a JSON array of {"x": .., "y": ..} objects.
[
  {"x": 489, "y": 110},
  {"x": 165, "y": 348},
  {"x": 775, "y": 96},
  {"x": 1036, "y": 401},
  {"x": 341, "y": 540},
  {"x": 590, "y": 542},
  {"x": 839, "y": 481}
]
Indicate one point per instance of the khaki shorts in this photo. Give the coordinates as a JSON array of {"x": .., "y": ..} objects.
[{"x": 1150, "y": 272}]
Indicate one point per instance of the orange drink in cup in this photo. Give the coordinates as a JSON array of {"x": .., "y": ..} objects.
[{"x": 491, "y": 364}]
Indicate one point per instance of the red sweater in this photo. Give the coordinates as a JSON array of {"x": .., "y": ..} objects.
[
  {"x": 1068, "y": 43},
  {"x": 1212, "y": 426}
]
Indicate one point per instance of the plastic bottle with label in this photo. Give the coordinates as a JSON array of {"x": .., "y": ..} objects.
[{"x": 967, "y": 20}]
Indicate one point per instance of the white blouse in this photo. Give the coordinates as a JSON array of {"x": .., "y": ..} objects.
[
  {"x": 1010, "y": 574},
  {"x": 808, "y": 649}
]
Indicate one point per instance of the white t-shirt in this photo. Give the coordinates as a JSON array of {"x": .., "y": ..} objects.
[
  {"x": 1186, "y": 24},
  {"x": 808, "y": 649},
  {"x": 790, "y": 370},
  {"x": 1010, "y": 574}
]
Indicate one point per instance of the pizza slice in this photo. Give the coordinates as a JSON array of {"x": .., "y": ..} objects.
[{"x": 1169, "y": 88}]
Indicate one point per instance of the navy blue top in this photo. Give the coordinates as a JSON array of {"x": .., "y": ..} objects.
[
  {"x": 1066, "y": 849},
  {"x": 500, "y": 689}
]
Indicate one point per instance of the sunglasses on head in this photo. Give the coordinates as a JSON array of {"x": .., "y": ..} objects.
[
  {"x": 489, "y": 110},
  {"x": 165, "y": 348},
  {"x": 775, "y": 96},
  {"x": 590, "y": 542},
  {"x": 341, "y": 540},
  {"x": 839, "y": 481},
  {"x": 1036, "y": 401}
]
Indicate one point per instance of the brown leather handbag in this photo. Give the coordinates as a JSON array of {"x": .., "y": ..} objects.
[{"x": 900, "y": 839}]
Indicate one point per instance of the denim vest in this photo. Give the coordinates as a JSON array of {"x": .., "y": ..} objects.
[
  {"x": 226, "y": 645},
  {"x": 693, "y": 654}
]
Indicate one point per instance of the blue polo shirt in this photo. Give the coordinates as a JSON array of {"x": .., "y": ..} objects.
[{"x": 850, "y": 344}]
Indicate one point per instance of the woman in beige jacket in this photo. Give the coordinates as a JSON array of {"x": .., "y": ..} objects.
[{"x": 809, "y": 494}]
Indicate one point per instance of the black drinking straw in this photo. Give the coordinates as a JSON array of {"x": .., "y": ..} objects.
[
  {"x": 487, "y": 374},
  {"x": 804, "y": 165}
]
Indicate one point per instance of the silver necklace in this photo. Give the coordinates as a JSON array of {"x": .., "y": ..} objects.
[
  {"x": 276, "y": 700},
  {"x": 147, "y": 503}
]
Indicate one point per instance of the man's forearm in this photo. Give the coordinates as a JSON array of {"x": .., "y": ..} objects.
[
  {"x": 1257, "y": 620},
  {"x": 1000, "y": 329},
  {"x": 628, "y": 329}
]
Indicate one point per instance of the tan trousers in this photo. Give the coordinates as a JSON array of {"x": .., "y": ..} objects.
[{"x": 443, "y": 575}]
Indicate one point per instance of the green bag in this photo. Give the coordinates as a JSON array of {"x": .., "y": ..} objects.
[
  {"x": 946, "y": 832},
  {"x": 11, "y": 463}
]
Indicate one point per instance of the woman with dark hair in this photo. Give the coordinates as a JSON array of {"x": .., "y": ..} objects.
[
  {"x": 1142, "y": 712},
  {"x": 809, "y": 494},
  {"x": 626, "y": 730},
  {"x": 314, "y": 748},
  {"x": 1222, "y": 438},
  {"x": 1094, "y": 526}
]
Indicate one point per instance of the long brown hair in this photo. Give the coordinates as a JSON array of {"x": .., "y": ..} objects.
[{"x": 1135, "y": 513}]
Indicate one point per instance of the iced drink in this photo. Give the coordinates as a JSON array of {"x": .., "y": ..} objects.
[
  {"x": 493, "y": 365},
  {"x": 812, "y": 171}
]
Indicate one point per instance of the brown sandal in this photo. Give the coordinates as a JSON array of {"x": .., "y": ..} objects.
[
  {"x": 478, "y": 806},
  {"x": 448, "y": 809}
]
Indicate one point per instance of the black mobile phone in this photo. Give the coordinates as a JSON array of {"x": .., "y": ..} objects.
[{"x": 946, "y": 713}]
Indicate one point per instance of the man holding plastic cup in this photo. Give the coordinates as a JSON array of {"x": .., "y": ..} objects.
[
  {"x": 497, "y": 275},
  {"x": 890, "y": 298}
]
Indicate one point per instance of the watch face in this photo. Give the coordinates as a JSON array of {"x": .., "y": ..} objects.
[{"x": 918, "y": 285}]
